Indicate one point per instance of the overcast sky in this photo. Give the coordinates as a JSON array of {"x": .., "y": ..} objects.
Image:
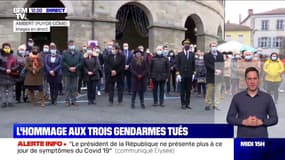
[{"x": 235, "y": 7}]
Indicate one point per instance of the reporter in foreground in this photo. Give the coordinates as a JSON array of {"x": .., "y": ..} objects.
[{"x": 252, "y": 110}]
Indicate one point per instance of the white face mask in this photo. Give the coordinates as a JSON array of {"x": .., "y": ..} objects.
[
  {"x": 45, "y": 49},
  {"x": 53, "y": 51},
  {"x": 274, "y": 58},
  {"x": 159, "y": 53},
  {"x": 89, "y": 52},
  {"x": 126, "y": 48},
  {"x": 230, "y": 56}
]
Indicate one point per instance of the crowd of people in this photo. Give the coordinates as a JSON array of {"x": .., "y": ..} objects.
[{"x": 50, "y": 73}]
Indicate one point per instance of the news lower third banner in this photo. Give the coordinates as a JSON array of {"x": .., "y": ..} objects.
[{"x": 140, "y": 141}]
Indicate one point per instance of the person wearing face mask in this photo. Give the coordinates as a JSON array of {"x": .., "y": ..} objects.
[
  {"x": 71, "y": 65},
  {"x": 43, "y": 54},
  {"x": 101, "y": 62},
  {"x": 91, "y": 74},
  {"x": 227, "y": 74},
  {"x": 8, "y": 74},
  {"x": 234, "y": 72},
  {"x": 82, "y": 84},
  {"x": 273, "y": 69},
  {"x": 128, "y": 59},
  {"x": 34, "y": 76},
  {"x": 106, "y": 52},
  {"x": 185, "y": 65},
  {"x": 29, "y": 46},
  {"x": 200, "y": 74},
  {"x": 171, "y": 58},
  {"x": 245, "y": 62},
  {"x": 159, "y": 72},
  {"x": 55, "y": 51},
  {"x": 52, "y": 65},
  {"x": 19, "y": 86},
  {"x": 138, "y": 69},
  {"x": 115, "y": 64},
  {"x": 214, "y": 62}
]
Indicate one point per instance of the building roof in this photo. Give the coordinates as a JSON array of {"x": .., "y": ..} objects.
[
  {"x": 236, "y": 27},
  {"x": 277, "y": 11}
]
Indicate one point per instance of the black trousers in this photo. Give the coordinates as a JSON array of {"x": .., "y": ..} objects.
[
  {"x": 141, "y": 95},
  {"x": 20, "y": 90},
  {"x": 54, "y": 90},
  {"x": 128, "y": 77},
  {"x": 120, "y": 86},
  {"x": 161, "y": 85},
  {"x": 91, "y": 90},
  {"x": 185, "y": 93}
]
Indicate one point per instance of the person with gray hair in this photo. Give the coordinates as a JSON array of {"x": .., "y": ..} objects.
[{"x": 159, "y": 72}]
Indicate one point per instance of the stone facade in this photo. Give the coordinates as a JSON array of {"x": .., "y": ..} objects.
[{"x": 92, "y": 19}]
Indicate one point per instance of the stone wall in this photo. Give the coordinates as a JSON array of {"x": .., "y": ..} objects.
[{"x": 166, "y": 19}]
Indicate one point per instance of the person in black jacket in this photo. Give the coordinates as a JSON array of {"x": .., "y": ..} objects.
[
  {"x": 214, "y": 66},
  {"x": 138, "y": 68},
  {"x": 91, "y": 74},
  {"x": 185, "y": 64},
  {"x": 115, "y": 66},
  {"x": 159, "y": 72}
]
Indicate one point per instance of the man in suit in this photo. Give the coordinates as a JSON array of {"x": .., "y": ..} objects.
[
  {"x": 214, "y": 66},
  {"x": 185, "y": 64},
  {"x": 115, "y": 67},
  {"x": 128, "y": 59}
]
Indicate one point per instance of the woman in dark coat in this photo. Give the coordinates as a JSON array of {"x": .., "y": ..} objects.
[
  {"x": 138, "y": 70},
  {"x": 53, "y": 73},
  {"x": 91, "y": 74}
]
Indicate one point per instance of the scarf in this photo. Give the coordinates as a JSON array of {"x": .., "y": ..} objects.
[{"x": 35, "y": 60}]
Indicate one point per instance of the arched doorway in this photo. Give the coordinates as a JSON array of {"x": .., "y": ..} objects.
[
  {"x": 57, "y": 34},
  {"x": 194, "y": 28},
  {"x": 132, "y": 26}
]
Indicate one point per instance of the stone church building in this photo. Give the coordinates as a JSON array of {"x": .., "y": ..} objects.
[{"x": 149, "y": 23}]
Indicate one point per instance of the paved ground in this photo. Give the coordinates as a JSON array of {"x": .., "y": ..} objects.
[{"x": 102, "y": 113}]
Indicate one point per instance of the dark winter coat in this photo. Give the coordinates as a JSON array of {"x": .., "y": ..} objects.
[
  {"x": 71, "y": 60},
  {"x": 56, "y": 67},
  {"x": 159, "y": 68},
  {"x": 138, "y": 84},
  {"x": 118, "y": 66},
  {"x": 8, "y": 62},
  {"x": 91, "y": 65}
]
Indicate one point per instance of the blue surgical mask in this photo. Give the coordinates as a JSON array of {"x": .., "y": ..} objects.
[{"x": 248, "y": 58}]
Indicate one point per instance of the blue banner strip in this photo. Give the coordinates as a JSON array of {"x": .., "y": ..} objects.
[
  {"x": 259, "y": 149},
  {"x": 122, "y": 131}
]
